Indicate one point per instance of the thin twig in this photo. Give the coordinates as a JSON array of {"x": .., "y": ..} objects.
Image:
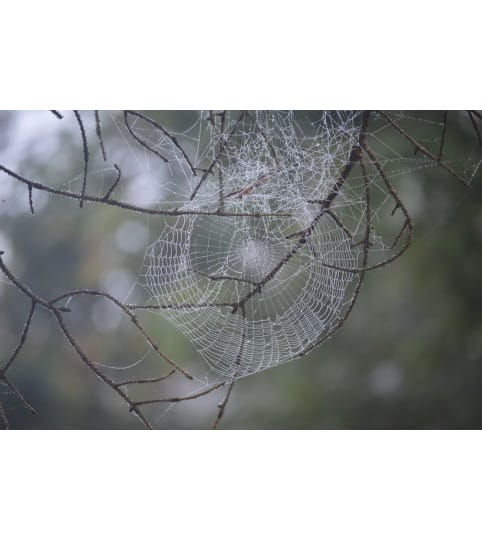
[
  {"x": 122, "y": 393},
  {"x": 474, "y": 124},
  {"x": 423, "y": 150},
  {"x": 86, "y": 156},
  {"x": 270, "y": 147},
  {"x": 22, "y": 340},
  {"x": 224, "y": 278},
  {"x": 25, "y": 289},
  {"x": 220, "y": 169},
  {"x": 170, "y": 136},
  {"x": 145, "y": 381},
  {"x": 178, "y": 399},
  {"x": 239, "y": 356},
  {"x": 4, "y": 417},
  {"x": 477, "y": 114},
  {"x": 114, "y": 184},
  {"x": 30, "y": 198},
  {"x": 199, "y": 305},
  {"x": 98, "y": 131},
  {"x": 442, "y": 138},
  {"x": 224, "y": 142},
  {"x": 337, "y": 220},
  {"x": 20, "y": 396},
  {"x": 140, "y": 141},
  {"x": 132, "y": 317}
]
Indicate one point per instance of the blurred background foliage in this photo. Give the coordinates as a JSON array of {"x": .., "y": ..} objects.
[{"x": 409, "y": 356}]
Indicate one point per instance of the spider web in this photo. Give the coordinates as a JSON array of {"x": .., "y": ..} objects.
[{"x": 252, "y": 289}]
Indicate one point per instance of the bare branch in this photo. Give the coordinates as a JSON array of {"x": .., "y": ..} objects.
[
  {"x": 164, "y": 131},
  {"x": 132, "y": 406},
  {"x": 423, "y": 150},
  {"x": 133, "y": 207},
  {"x": 22, "y": 340},
  {"x": 145, "y": 381},
  {"x": 224, "y": 142},
  {"x": 239, "y": 356},
  {"x": 86, "y": 156},
  {"x": 98, "y": 131},
  {"x": 114, "y": 184},
  {"x": 178, "y": 399},
  {"x": 132, "y": 317},
  {"x": 472, "y": 114},
  {"x": 140, "y": 141}
]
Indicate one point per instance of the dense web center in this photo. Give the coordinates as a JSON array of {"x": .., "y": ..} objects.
[{"x": 255, "y": 259}]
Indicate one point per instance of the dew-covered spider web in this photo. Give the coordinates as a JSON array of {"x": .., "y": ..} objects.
[
  {"x": 267, "y": 260},
  {"x": 244, "y": 289}
]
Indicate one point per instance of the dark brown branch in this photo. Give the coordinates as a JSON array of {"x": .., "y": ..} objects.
[
  {"x": 423, "y": 150},
  {"x": 114, "y": 184},
  {"x": 333, "y": 216},
  {"x": 361, "y": 275},
  {"x": 140, "y": 141},
  {"x": 25, "y": 289},
  {"x": 145, "y": 381},
  {"x": 132, "y": 317},
  {"x": 57, "y": 114},
  {"x": 442, "y": 138},
  {"x": 210, "y": 118},
  {"x": 30, "y": 198},
  {"x": 224, "y": 278},
  {"x": 178, "y": 306},
  {"x": 4, "y": 417},
  {"x": 20, "y": 396},
  {"x": 122, "y": 393},
  {"x": 224, "y": 142},
  {"x": 22, "y": 340},
  {"x": 474, "y": 124},
  {"x": 477, "y": 114},
  {"x": 98, "y": 131},
  {"x": 126, "y": 206},
  {"x": 220, "y": 169},
  {"x": 407, "y": 225},
  {"x": 239, "y": 356},
  {"x": 178, "y": 399},
  {"x": 270, "y": 147},
  {"x": 86, "y": 156},
  {"x": 171, "y": 137},
  {"x": 354, "y": 157},
  {"x": 247, "y": 190},
  {"x": 57, "y": 312}
]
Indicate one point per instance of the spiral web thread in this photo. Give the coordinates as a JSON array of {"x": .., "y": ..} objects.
[{"x": 254, "y": 292}]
